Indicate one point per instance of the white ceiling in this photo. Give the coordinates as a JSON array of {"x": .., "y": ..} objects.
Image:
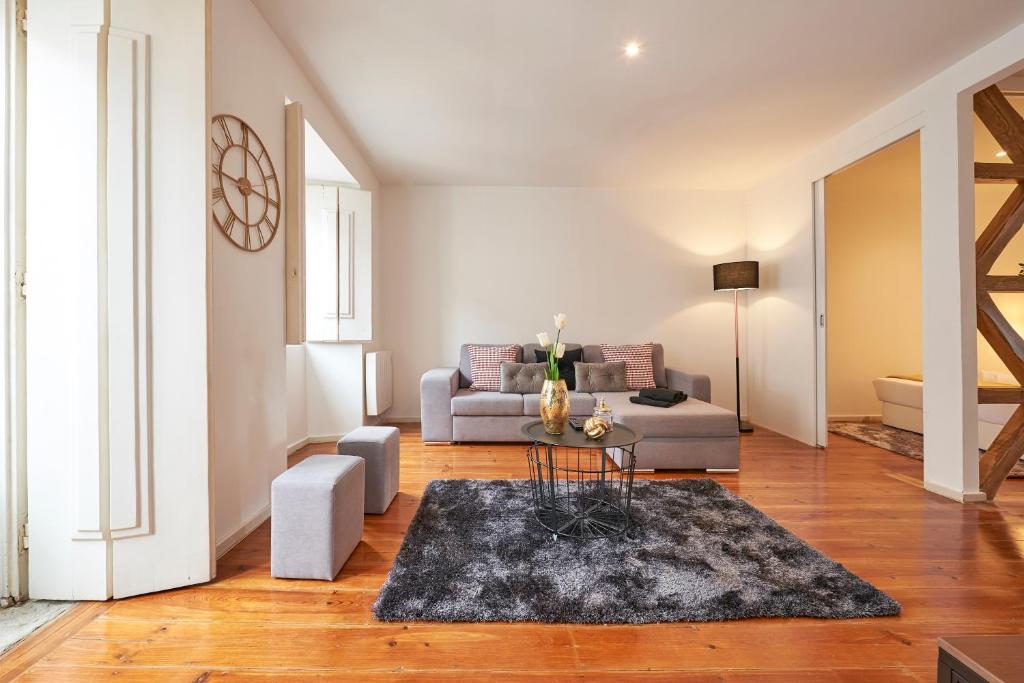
[
  {"x": 537, "y": 92},
  {"x": 321, "y": 162}
]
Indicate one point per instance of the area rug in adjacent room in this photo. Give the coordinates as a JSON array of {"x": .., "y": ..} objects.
[
  {"x": 910, "y": 444},
  {"x": 474, "y": 552}
]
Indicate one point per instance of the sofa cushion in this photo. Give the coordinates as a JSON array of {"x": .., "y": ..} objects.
[
  {"x": 993, "y": 413},
  {"x": 637, "y": 357},
  {"x": 579, "y": 404},
  {"x": 592, "y": 354},
  {"x": 903, "y": 392},
  {"x": 691, "y": 418},
  {"x": 566, "y": 364},
  {"x": 571, "y": 350},
  {"x": 466, "y": 371},
  {"x": 522, "y": 378},
  {"x": 470, "y": 402},
  {"x": 591, "y": 377},
  {"x": 485, "y": 364}
]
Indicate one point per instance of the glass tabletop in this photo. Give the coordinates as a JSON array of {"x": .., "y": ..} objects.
[{"x": 620, "y": 436}]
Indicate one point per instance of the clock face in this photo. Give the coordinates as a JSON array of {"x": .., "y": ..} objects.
[{"x": 246, "y": 195}]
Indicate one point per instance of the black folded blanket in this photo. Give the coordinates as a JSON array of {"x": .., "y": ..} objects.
[{"x": 660, "y": 398}]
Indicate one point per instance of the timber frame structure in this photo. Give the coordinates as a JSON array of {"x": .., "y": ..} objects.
[{"x": 1007, "y": 127}]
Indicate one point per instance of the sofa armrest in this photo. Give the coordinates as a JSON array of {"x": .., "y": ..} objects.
[
  {"x": 437, "y": 387},
  {"x": 698, "y": 386}
]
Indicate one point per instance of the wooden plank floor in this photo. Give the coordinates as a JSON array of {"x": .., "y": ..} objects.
[{"x": 956, "y": 570}]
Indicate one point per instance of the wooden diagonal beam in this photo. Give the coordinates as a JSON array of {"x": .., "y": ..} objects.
[
  {"x": 1003, "y": 454},
  {"x": 985, "y": 172},
  {"x": 1002, "y": 120},
  {"x": 1000, "y": 230},
  {"x": 1007, "y": 127},
  {"x": 1000, "y": 395},
  {"x": 1001, "y": 283},
  {"x": 1000, "y": 334}
]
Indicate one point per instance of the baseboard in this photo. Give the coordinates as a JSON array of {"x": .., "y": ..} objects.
[
  {"x": 301, "y": 443},
  {"x": 236, "y": 537},
  {"x": 324, "y": 438},
  {"x": 399, "y": 420},
  {"x": 958, "y": 496}
]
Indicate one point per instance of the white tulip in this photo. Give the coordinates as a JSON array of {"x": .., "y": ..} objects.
[
  {"x": 560, "y": 350},
  {"x": 560, "y": 321},
  {"x": 544, "y": 339}
]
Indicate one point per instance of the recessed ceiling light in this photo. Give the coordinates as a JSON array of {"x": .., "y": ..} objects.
[
  {"x": 632, "y": 49},
  {"x": 1000, "y": 154}
]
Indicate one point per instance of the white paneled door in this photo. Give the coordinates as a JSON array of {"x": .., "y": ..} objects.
[{"x": 116, "y": 228}]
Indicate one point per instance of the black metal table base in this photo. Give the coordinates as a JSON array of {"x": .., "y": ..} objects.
[{"x": 580, "y": 492}]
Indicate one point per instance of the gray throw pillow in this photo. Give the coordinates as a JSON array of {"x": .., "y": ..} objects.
[
  {"x": 522, "y": 378},
  {"x": 591, "y": 377}
]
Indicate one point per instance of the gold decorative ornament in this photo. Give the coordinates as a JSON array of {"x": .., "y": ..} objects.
[
  {"x": 246, "y": 195},
  {"x": 595, "y": 428},
  {"x": 554, "y": 406}
]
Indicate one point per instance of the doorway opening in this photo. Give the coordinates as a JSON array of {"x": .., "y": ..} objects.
[{"x": 873, "y": 384}]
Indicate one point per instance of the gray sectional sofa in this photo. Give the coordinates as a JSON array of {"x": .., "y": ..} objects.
[{"x": 691, "y": 435}]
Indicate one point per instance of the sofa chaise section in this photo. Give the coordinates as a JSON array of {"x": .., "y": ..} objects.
[{"x": 701, "y": 435}]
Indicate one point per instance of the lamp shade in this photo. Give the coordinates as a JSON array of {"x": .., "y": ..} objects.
[{"x": 736, "y": 275}]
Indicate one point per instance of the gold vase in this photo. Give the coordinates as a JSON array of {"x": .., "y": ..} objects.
[{"x": 554, "y": 406}]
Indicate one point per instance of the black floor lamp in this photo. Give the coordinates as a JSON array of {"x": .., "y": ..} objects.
[{"x": 735, "y": 276}]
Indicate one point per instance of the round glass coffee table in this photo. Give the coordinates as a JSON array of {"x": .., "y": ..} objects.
[{"x": 582, "y": 487}]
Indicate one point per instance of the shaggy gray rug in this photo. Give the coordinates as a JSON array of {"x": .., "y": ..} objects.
[
  {"x": 901, "y": 441},
  {"x": 475, "y": 552}
]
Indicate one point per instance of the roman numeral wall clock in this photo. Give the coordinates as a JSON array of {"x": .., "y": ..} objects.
[{"x": 246, "y": 195}]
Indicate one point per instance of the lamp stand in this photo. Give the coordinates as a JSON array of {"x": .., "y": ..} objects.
[{"x": 744, "y": 427}]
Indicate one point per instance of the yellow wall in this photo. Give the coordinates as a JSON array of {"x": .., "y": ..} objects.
[
  {"x": 873, "y": 267},
  {"x": 987, "y": 200}
]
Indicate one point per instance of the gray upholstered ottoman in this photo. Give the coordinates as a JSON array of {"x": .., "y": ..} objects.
[
  {"x": 316, "y": 517},
  {"x": 378, "y": 446}
]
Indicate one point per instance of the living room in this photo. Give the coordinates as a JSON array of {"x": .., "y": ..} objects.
[{"x": 489, "y": 340}]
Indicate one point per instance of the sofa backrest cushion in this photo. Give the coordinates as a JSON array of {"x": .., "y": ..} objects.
[
  {"x": 568, "y": 373},
  {"x": 465, "y": 369},
  {"x": 600, "y": 377},
  {"x": 592, "y": 354},
  {"x": 522, "y": 378},
  {"x": 530, "y": 350}
]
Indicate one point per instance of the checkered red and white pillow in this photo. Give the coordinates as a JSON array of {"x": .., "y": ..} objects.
[
  {"x": 639, "y": 363},
  {"x": 485, "y": 365}
]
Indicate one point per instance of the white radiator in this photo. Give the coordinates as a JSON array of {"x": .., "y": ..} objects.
[{"x": 378, "y": 382}]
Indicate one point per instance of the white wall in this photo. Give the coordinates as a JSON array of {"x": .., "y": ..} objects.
[
  {"x": 334, "y": 390},
  {"x": 253, "y": 73},
  {"x": 325, "y": 391},
  {"x": 295, "y": 375},
  {"x": 493, "y": 264},
  {"x": 780, "y": 233}
]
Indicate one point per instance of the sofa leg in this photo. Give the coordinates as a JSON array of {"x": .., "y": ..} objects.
[
  {"x": 711, "y": 470},
  {"x": 438, "y": 443}
]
